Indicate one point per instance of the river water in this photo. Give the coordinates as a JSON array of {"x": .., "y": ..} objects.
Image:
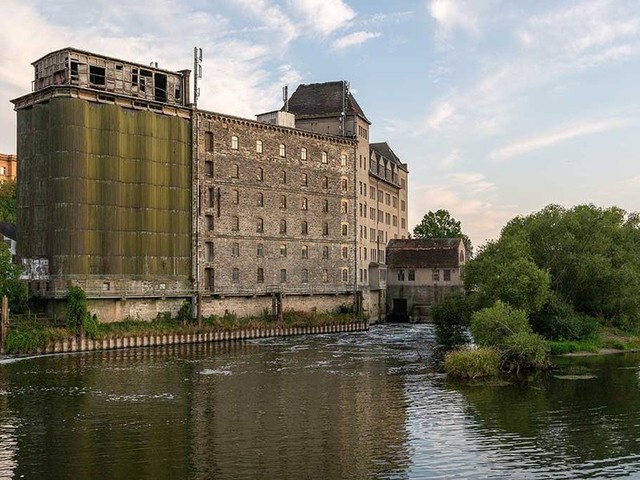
[{"x": 353, "y": 406}]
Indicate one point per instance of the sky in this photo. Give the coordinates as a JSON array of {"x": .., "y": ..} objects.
[{"x": 498, "y": 107}]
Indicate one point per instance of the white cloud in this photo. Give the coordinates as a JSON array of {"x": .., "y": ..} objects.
[
  {"x": 272, "y": 17},
  {"x": 550, "y": 138},
  {"x": 452, "y": 15},
  {"x": 324, "y": 16},
  {"x": 444, "y": 113},
  {"x": 352, "y": 39}
]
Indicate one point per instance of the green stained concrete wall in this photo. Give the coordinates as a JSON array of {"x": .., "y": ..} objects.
[{"x": 104, "y": 189}]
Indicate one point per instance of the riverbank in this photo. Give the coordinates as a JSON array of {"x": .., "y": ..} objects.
[{"x": 609, "y": 340}]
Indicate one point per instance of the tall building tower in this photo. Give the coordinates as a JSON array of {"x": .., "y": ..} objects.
[
  {"x": 380, "y": 180},
  {"x": 104, "y": 192}
]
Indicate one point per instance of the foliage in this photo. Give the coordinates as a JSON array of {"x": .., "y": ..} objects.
[
  {"x": 8, "y": 201},
  {"x": 492, "y": 325},
  {"x": 452, "y": 318},
  {"x": 557, "y": 320},
  {"x": 185, "y": 314},
  {"x": 472, "y": 363},
  {"x": 30, "y": 340},
  {"x": 79, "y": 320},
  {"x": 10, "y": 284},
  {"x": 440, "y": 224},
  {"x": 561, "y": 347},
  {"x": 525, "y": 351}
]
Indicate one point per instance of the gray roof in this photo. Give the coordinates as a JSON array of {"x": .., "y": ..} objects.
[
  {"x": 423, "y": 253},
  {"x": 8, "y": 230},
  {"x": 323, "y": 100},
  {"x": 384, "y": 150}
]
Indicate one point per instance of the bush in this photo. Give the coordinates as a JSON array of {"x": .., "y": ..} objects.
[
  {"x": 491, "y": 326},
  {"x": 451, "y": 319},
  {"x": 472, "y": 363},
  {"x": 525, "y": 351},
  {"x": 557, "y": 320},
  {"x": 185, "y": 314}
]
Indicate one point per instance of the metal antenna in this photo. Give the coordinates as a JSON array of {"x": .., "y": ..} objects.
[{"x": 197, "y": 73}]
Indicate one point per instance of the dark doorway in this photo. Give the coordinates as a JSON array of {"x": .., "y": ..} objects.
[
  {"x": 160, "y": 84},
  {"x": 399, "y": 311}
]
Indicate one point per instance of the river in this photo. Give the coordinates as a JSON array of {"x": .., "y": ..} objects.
[{"x": 353, "y": 406}]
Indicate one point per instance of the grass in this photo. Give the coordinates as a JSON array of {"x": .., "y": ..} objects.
[
  {"x": 608, "y": 338},
  {"x": 472, "y": 363}
]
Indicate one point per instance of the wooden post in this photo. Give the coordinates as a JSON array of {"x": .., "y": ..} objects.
[{"x": 4, "y": 322}]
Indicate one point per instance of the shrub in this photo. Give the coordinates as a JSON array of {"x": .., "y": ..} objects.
[
  {"x": 451, "y": 319},
  {"x": 525, "y": 351},
  {"x": 557, "y": 320},
  {"x": 491, "y": 326},
  {"x": 76, "y": 308},
  {"x": 185, "y": 314},
  {"x": 472, "y": 363}
]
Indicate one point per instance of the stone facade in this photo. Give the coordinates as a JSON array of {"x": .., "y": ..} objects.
[{"x": 8, "y": 167}]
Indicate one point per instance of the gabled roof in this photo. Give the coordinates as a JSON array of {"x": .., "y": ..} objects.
[
  {"x": 324, "y": 100},
  {"x": 384, "y": 150},
  {"x": 8, "y": 230},
  {"x": 423, "y": 253}
]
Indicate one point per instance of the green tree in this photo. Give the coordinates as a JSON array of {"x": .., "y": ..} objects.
[
  {"x": 8, "y": 201},
  {"x": 440, "y": 224},
  {"x": 10, "y": 284}
]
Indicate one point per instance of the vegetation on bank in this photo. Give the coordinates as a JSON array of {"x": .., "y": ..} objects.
[
  {"x": 571, "y": 278},
  {"x": 28, "y": 336}
]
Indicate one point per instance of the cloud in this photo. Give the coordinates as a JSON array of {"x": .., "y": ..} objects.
[
  {"x": 453, "y": 15},
  {"x": 550, "y": 138},
  {"x": 272, "y": 17},
  {"x": 352, "y": 39},
  {"x": 324, "y": 16}
]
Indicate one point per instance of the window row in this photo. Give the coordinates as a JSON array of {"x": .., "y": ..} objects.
[
  {"x": 259, "y": 200},
  {"x": 435, "y": 275},
  {"x": 283, "y": 251},
  {"x": 325, "y": 277},
  {"x": 260, "y": 226}
]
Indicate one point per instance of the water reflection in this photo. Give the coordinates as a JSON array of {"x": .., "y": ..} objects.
[{"x": 336, "y": 406}]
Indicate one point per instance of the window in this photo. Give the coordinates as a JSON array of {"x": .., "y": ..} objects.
[
  {"x": 304, "y": 204},
  {"x": 325, "y": 182},
  {"x": 403, "y": 223},
  {"x": 97, "y": 75},
  {"x": 283, "y": 226},
  {"x": 208, "y": 278},
  {"x": 372, "y": 234},
  {"x": 325, "y": 157},
  {"x": 395, "y": 221},
  {"x": 325, "y": 228},
  {"x": 305, "y": 251},
  {"x": 345, "y": 275},
  {"x": 325, "y": 252},
  {"x": 345, "y": 229},
  {"x": 305, "y": 228},
  {"x": 305, "y": 180},
  {"x": 208, "y": 141},
  {"x": 208, "y": 169},
  {"x": 260, "y": 200},
  {"x": 235, "y": 249},
  {"x": 235, "y": 197},
  {"x": 325, "y": 275},
  {"x": 401, "y": 275},
  {"x": 435, "y": 275},
  {"x": 403, "y": 205},
  {"x": 235, "y": 171},
  {"x": 365, "y": 253},
  {"x": 235, "y": 276},
  {"x": 283, "y": 250},
  {"x": 412, "y": 275},
  {"x": 260, "y": 250},
  {"x": 344, "y": 183},
  {"x": 372, "y": 193},
  {"x": 234, "y": 143},
  {"x": 235, "y": 224},
  {"x": 343, "y": 160},
  {"x": 209, "y": 222},
  {"x": 282, "y": 150},
  {"x": 325, "y": 205},
  {"x": 446, "y": 275},
  {"x": 283, "y": 275},
  {"x": 208, "y": 251},
  {"x": 260, "y": 275},
  {"x": 260, "y": 174},
  {"x": 373, "y": 255},
  {"x": 283, "y": 177},
  {"x": 303, "y": 153},
  {"x": 380, "y": 196},
  {"x": 305, "y": 275},
  {"x": 259, "y": 225},
  {"x": 387, "y": 199},
  {"x": 380, "y": 216},
  {"x": 387, "y": 218},
  {"x": 372, "y": 213},
  {"x": 395, "y": 202},
  {"x": 345, "y": 252},
  {"x": 344, "y": 206},
  {"x": 258, "y": 146},
  {"x": 283, "y": 201},
  {"x": 210, "y": 196}
]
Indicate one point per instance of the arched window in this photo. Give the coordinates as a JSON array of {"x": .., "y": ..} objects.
[
  {"x": 260, "y": 174},
  {"x": 325, "y": 205},
  {"x": 283, "y": 275},
  {"x": 325, "y": 157},
  {"x": 305, "y": 228},
  {"x": 260, "y": 199},
  {"x": 235, "y": 275},
  {"x": 235, "y": 171},
  {"x": 260, "y": 250},
  {"x": 325, "y": 182},
  {"x": 283, "y": 250},
  {"x": 303, "y": 153},
  {"x": 305, "y": 204},
  {"x": 325, "y": 275},
  {"x": 259, "y": 225},
  {"x": 258, "y": 146},
  {"x": 325, "y": 228},
  {"x": 235, "y": 197},
  {"x": 283, "y": 201},
  {"x": 283, "y": 150},
  {"x": 305, "y": 275},
  {"x": 325, "y": 252},
  {"x": 260, "y": 275},
  {"x": 234, "y": 142},
  {"x": 283, "y": 226},
  {"x": 283, "y": 177},
  {"x": 305, "y": 251}
]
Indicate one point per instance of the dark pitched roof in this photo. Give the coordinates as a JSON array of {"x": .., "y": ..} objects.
[
  {"x": 8, "y": 230},
  {"x": 423, "y": 253},
  {"x": 323, "y": 100},
  {"x": 384, "y": 150}
]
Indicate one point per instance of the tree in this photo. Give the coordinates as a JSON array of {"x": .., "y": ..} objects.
[
  {"x": 10, "y": 284},
  {"x": 8, "y": 202},
  {"x": 440, "y": 224}
]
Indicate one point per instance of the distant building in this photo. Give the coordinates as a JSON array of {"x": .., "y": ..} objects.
[
  {"x": 8, "y": 167},
  {"x": 8, "y": 232},
  {"x": 420, "y": 272}
]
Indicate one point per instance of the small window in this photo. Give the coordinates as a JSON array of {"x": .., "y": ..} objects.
[
  {"x": 305, "y": 251},
  {"x": 325, "y": 275},
  {"x": 446, "y": 275},
  {"x": 325, "y": 252},
  {"x": 283, "y": 201},
  {"x": 209, "y": 222},
  {"x": 235, "y": 275},
  {"x": 304, "y": 275},
  {"x": 259, "y": 225},
  {"x": 325, "y": 157},
  {"x": 234, "y": 143},
  {"x": 211, "y": 197},
  {"x": 260, "y": 174},
  {"x": 283, "y": 226},
  {"x": 235, "y": 249},
  {"x": 403, "y": 223},
  {"x": 235, "y": 171},
  {"x": 303, "y": 153},
  {"x": 401, "y": 275},
  {"x": 260, "y": 200},
  {"x": 345, "y": 229},
  {"x": 344, "y": 183},
  {"x": 260, "y": 250},
  {"x": 403, "y": 205},
  {"x": 208, "y": 278},
  {"x": 343, "y": 160},
  {"x": 235, "y": 224},
  {"x": 412, "y": 275},
  {"x": 305, "y": 228},
  {"x": 325, "y": 205},
  {"x": 305, "y": 180},
  {"x": 283, "y": 150},
  {"x": 435, "y": 275},
  {"x": 345, "y": 253},
  {"x": 283, "y": 177},
  {"x": 305, "y": 203},
  {"x": 387, "y": 199},
  {"x": 208, "y": 141},
  {"x": 260, "y": 275},
  {"x": 258, "y": 146},
  {"x": 325, "y": 228},
  {"x": 344, "y": 206},
  {"x": 283, "y": 275},
  {"x": 208, "y": 251},
  {"x": 235, "y": 197},
  {"x": 325, "y": 182},
  {"x": 97, "y": 75},
  {"x": 345, "y": 275},
  {"x": 208, "y": 168}
]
